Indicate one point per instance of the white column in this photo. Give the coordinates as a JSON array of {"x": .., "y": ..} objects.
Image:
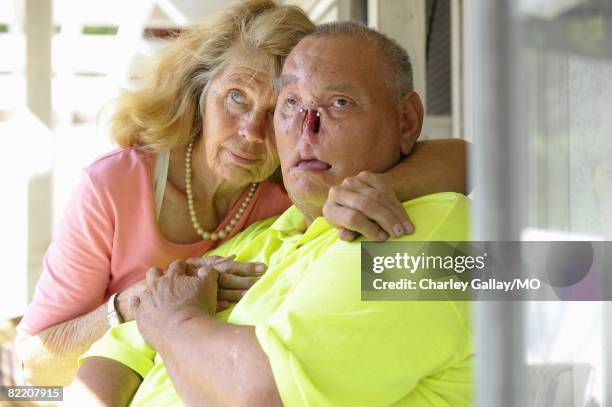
[
  {"x": 405, "y": 22},
  {"x": 350, "y": 10},
  {"x": 497, "y": 215},
  {"x": 39, "y": 30},
  {"x": 467, "y": 111},
  {"x": 456, "y": 68}
]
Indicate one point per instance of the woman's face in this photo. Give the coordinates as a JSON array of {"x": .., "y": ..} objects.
[{"x": 238, "y": 122}]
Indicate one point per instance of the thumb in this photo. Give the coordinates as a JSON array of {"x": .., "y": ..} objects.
[
  {"x": 207, "y": 272},
  {"x": 203, "y": 272}
]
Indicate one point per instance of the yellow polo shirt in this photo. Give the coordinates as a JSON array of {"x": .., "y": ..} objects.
[{"x": 327, "y": 347}]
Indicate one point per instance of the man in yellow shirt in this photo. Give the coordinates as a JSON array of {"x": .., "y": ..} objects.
[{"x": 302, "y": 335}]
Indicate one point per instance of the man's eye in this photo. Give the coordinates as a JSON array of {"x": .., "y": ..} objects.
[
  {"x": 341, "y": 102},
  {"x": 291, "y": 102},
  {"x": 236, "y": 96}
]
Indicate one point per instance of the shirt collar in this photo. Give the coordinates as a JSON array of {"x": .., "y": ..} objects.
[{"x": 293, "y": 222}]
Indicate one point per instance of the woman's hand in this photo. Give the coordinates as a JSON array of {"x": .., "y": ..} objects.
[
  {"x": 235, "y": 278},
  {"x": 364, "y": 204}
]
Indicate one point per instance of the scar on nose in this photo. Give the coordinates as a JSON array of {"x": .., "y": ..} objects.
[{"x": 313, "y": 121}]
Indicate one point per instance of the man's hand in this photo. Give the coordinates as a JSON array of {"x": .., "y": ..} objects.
[
  {"x": 235, "y": 278},
  {"x": 123, "y": 299},
  {"x": 173, "y": 297},
  {"x": 364, "y": 204}
]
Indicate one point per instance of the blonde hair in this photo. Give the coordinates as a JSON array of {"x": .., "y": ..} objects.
[{"x": 164, "y": 111}]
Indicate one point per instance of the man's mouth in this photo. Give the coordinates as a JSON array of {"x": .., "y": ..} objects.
[{"x": 312, "y": 165}]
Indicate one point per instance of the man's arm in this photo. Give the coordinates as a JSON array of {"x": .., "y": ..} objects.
[
  {"x": 324, "y": 344},
  {"x": 209, "y": 361},
  {"x": 115, "y": 387},
  {"x": 224, "y": 366}
]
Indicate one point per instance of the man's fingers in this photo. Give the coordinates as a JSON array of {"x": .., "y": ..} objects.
[
  {"x": 208, "y": 273},
  {"x": 233, "y": 282},
  {"x": 152, "y": 275},
  {"x": 146, "y": 297},
  {"x": 230, "y": 295},
  {"x": 241, "y": 268},
  {"x": 177, "y": 268}
]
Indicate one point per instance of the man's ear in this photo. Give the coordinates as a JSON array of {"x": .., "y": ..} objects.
[{"x": 412, "y": 121}]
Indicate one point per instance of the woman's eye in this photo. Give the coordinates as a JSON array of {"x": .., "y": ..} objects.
[
  {"x": 236, "y": 96},
  {"x": 341, "y": 102}
]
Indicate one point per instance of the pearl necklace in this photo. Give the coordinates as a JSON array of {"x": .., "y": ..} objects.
[{"x": 222, "y": 234}]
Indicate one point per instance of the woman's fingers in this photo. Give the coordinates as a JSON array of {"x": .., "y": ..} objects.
[
  {"x": 353, "y": 220},
  {"x": 250, "y": 269},
  {"x": 387, "y": 197},
  {"x": 222, "y": 305},
  {"x": 233, "y": 282},
  {"x": 370, "y": 185},
  {"x": 194, "y": 263},
  {"x": 364, "y": 204},
  {"x": 208, "y": 260},
  {"x": 228, "y": 265},
  {"x": 348, "y": 235},
  {"x": 232, "y": 286},
  {"x": 230, "y": 295},
  {"x": 354, "y": 201}
]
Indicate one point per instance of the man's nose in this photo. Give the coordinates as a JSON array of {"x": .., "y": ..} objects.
[
  {"x": 312, "y": 120},
  {"x": 311, "y": 125},
  {"x": 254, "y": 127}
]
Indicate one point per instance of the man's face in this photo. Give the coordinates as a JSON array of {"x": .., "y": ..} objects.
[{"x": 360, "y": 117}]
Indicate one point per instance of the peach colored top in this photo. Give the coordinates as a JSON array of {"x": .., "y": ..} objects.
[{"x": 109, "y": 238}]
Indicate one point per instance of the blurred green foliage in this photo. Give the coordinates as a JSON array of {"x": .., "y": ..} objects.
[
  {"x": 580, "y": 34},
  {"x": 99, "y": 30}
]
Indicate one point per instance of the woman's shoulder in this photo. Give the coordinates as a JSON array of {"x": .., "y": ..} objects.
[
  {"x": 121, "y": 161},
  {"x": 122, "y": 172}
]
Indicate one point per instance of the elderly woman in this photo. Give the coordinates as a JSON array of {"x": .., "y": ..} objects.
[{"x": 195, "y": 167}]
